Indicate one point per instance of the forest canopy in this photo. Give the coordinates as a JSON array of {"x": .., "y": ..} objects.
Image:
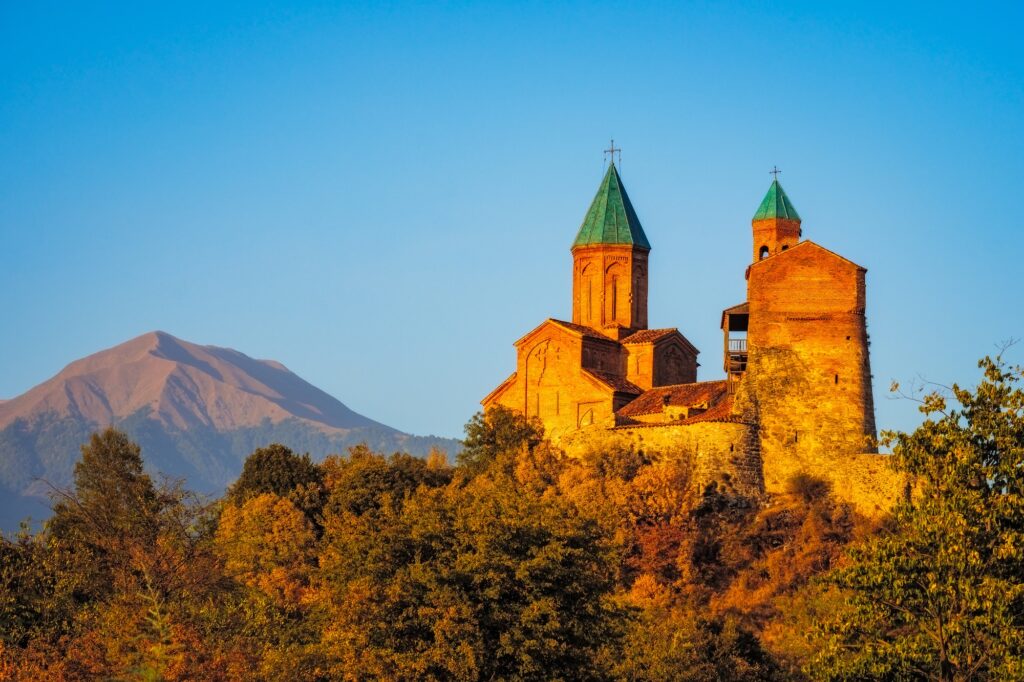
[{"x": 519, "y": 563}]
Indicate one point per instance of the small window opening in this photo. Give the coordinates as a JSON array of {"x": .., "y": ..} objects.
[
  {"x": 763, "y": 253},
  {"x": 796, "y": 436},
  {"x": 785, "y": 247},
  {"x": 837, "y": 378},
  {"x": 732, "y": 448},
  {"x": 847, "y": 338}
]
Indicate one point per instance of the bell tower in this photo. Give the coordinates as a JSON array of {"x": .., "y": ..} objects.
[
  {"x": 609, "y": 273},
  {"x": 776, "y": 223}
]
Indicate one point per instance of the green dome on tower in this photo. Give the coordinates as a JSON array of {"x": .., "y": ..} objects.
[
  {"x": 776, "y": 205},
  {"x": 611, "y": 218}
]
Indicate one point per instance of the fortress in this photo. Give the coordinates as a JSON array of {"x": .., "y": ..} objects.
[{"x": 797, "y": 393}]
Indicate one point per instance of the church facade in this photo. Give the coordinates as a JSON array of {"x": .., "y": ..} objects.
[{"x": 796, "y": 397}]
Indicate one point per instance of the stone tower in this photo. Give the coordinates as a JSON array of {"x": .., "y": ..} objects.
[
  {"x": 609, "y": 275},
  {"x": 808, "y": 378}
]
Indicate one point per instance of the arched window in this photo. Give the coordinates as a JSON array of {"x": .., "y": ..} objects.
[
  {"x": 587, "y": 277},
  {"x": 614, "y": 295},
  {"x": 763, "y": 253}
]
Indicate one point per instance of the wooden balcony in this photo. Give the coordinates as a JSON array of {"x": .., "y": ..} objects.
[
  {"x": 735, "y": 321},
  {"x": 736, "y": 356}
]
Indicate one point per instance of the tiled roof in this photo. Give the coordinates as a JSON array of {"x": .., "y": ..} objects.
[
  {"x": 580, "y": 329},
  {"x": 776, "y": 205},
  {"x": 647, "y": 335},
  {"x": 618, "y": 383},
  {"x": 684, "y": 395},
  {"x": 722, "y": 412},
  {"x": 611, "y": 218}
]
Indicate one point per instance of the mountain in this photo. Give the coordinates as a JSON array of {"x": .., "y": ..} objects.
[{"x": 197, "y": 411}]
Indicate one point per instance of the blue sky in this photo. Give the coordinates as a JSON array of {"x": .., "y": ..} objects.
[{"x": 382, "y": 196}]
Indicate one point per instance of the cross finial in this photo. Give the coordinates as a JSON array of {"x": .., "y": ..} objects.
[
  {"x": 612, "y": 149},
  {"x": 775, "y": 171}
]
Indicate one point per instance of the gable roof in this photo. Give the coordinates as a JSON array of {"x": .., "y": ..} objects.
[
  {"x": 686, "y": 395},
  {"x": 617, "y": 383},
  {"x": 776, "y": 205},
  {"x": 577, "y": 329},
  {"x": 805, "y": 244},
  {"x": 648, "y": 335},
  {"x": 611, "y": 218}
]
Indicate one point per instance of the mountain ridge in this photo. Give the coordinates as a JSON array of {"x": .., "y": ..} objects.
[{"x": 196, "y": 410}]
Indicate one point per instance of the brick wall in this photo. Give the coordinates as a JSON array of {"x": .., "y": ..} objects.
[{"x": 808, "y": 379}]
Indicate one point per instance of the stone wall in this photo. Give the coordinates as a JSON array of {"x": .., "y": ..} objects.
[
  {"x": 808, "y": 379},
  {"x": 718, "y": 451},
  {"x": 867, "y": 482}
]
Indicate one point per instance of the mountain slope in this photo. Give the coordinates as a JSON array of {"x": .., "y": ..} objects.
[{"x": 196, "y": 410}]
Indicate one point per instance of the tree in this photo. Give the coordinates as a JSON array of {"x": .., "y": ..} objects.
[
  {"x": 113, "y": 497},
  {"x": 120, "y": 583},
  {"x": 479, "y": 579},
  {"x": 940, "y": 594},
  {"x": 277, "y": 470},
  {"x": 498, "y": 434},
  {"x": 269, "y": 545},
  {"x": 366, "y": 481}
]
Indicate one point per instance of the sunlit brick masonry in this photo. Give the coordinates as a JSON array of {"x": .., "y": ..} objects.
[{"x": 797, "y": 394}]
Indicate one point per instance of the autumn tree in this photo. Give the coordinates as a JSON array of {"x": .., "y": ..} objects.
[
  {"x": 477, "y": 579},
  {"x": 940, "y": 594},
  {"x": 498, "y": 433},
  {"x": 268, "y": 544},
  {"x": 277, "y": 470},
  {"x": 118, "y": 584},
  {"x": 365, "y": 480}
]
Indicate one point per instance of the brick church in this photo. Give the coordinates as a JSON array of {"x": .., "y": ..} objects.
[{"x": 796, "y": 396}]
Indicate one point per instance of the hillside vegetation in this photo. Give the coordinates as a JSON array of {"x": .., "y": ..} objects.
[{"x": 518, "y": 563}]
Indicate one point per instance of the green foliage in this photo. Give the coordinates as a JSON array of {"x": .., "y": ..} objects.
[
  {"x": 274, "y": 469},
  {"x": 364, "y": 481},
  {"x": 521, "y": 563},
  {"x": 673, "y": 646},
  {"x": 940, "y": 594},
  {"x": 114, "y": 509},
  {"x": 497, "y": 435},
  {"x": 278, "y": 471},
  {"x": 482, "y": 580}
]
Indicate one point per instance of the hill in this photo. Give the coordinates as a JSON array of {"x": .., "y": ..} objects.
[{"x": 197, "y": 411}]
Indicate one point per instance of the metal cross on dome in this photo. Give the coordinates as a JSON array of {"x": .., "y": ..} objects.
[
  {"x": 612, "y": 150},
  {"x": 775, "y": 171}
]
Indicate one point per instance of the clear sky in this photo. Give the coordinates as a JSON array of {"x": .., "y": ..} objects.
[{"x": 382, "y": 196}]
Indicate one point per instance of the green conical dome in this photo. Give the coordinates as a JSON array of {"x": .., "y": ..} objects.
[
  {"x": 611, "y": 218},
  {"x": 776, "y": 205}
]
